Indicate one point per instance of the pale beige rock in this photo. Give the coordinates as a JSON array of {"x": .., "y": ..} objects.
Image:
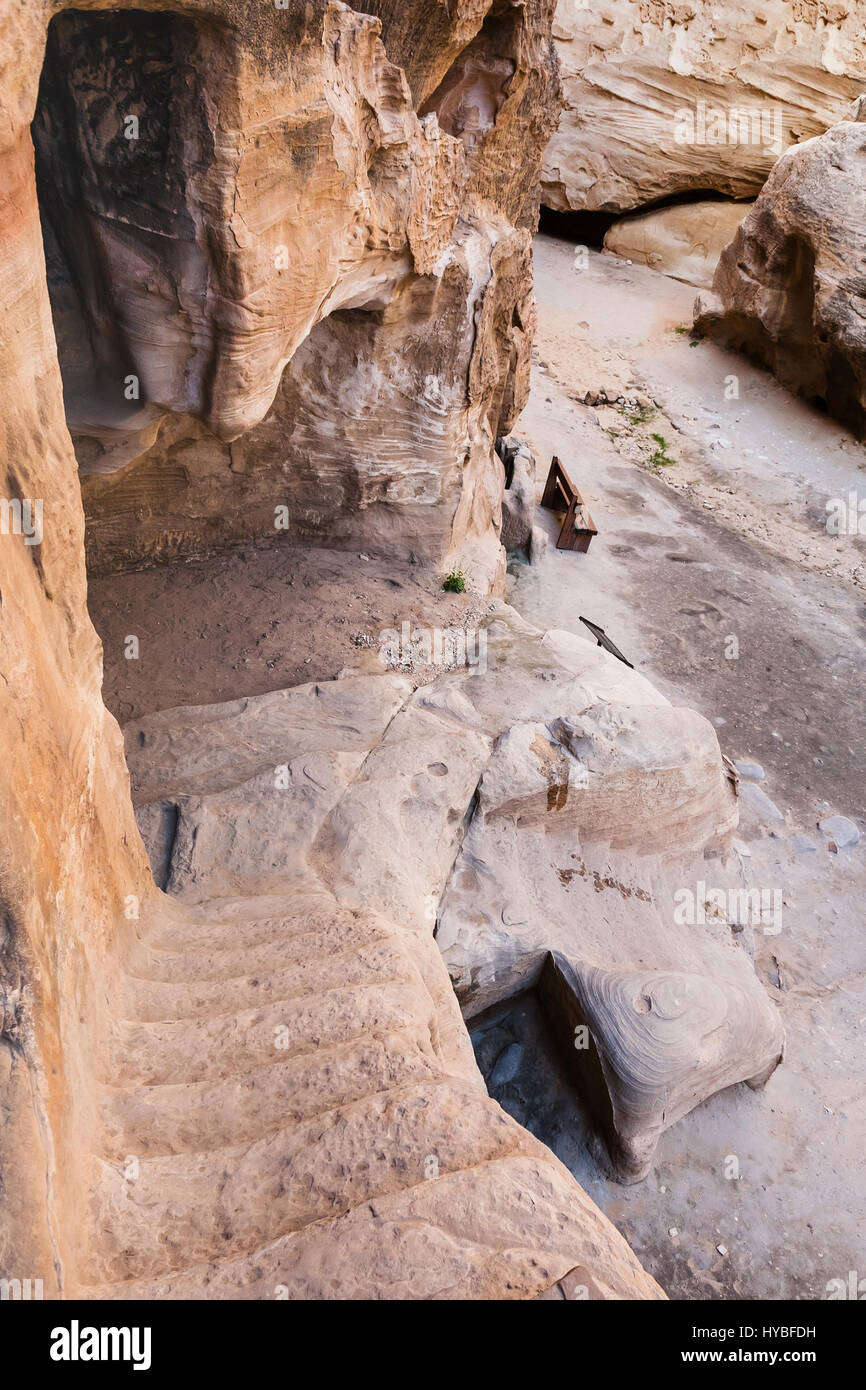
[
  {"x": 197, "y": 264},
  {"x": 380, "y": 437},
  {"x": 634, "y": 75},
  {"x": 649, "y": 1045},
  {"x": 329, "y": 949},
  {"x": 586, "y": 828},
  {"x": 518, "y": 501},
  {"x": 282, "y": 1119},
  {"x": 684, "y": 241},
  {"x": 550, "y": 799},
  {"x": 788, "y": 290}
]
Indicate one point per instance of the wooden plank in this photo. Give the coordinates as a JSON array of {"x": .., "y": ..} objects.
[{"x": 560, "y": 494}]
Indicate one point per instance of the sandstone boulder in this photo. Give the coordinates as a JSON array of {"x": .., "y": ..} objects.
[
  {"x": 548, "y": 801},
  {"x": 685, "y": 241},
  {"x": 588, "y": 832},
  {"x": 789, "y": 289}
]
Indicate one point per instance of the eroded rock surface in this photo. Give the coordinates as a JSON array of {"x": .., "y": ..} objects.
[
  {"x": 381, "y": 436},
  {"x": 518, "y": 501},
  {"x": 586, "y": 827},
  {"x": 303, "y": 1128},
  {"x": 685, "y": 241},
  {"x": 296, "y": 291},
  {"x": 663, "y": 97},
  {"x": 290, "y": 1040},
  {"x": 551, "y": 802},
  {"x": 236, "y": 1096},
  {"x": 263, "y": 1086},
  {"x": 789, "y": 289}
]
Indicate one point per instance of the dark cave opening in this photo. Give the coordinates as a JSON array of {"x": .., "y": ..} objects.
[
  {"x": 121, "y": 143},
  {"x": 526, "y": 1070},
  {"x": 584, "y": 228}
]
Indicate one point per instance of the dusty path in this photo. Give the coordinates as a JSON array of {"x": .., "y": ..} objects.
[
  {"x": 263, "y": 617},
  {"x": 682, "y": 565}
]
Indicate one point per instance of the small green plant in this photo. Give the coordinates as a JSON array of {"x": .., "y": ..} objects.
[
  {"x": 642, "y": 416},
  {"x": 455, "y": 583},
  {"x": 682, "y": 328},
  {"x": 661, "y": 457}
]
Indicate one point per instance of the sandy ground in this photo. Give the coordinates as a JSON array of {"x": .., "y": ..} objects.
[
  {"x": 260, "y": 618},
  {"x": 726, "y": 542}
]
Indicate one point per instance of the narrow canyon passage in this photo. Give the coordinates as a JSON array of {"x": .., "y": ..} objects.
[
  {"x": 367, "y": 930},
  {"x": 724, "y": 542}
]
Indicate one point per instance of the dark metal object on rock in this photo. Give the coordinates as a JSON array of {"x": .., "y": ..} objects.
[{"x": 603, "y": 640}]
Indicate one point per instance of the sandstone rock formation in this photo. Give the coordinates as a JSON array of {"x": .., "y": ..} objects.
[
  {"x": 598, "y": 805},
  {"x": 286, "y": 1032},
  {"x": 684, "y": 241},
  {"x": 462, "y": 807},
  {"x": 297, "y": 292},
  {"x": 789, "y": 289},
  {"x": 286, "y": 251},
  {"x": 240, "y": 1096},
  {"x": 518, "y": 501},
  {"x": 667, "y": 96}
]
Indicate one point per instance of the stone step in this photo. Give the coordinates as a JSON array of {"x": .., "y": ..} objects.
[
  {"x": 147, "y": 1121},
  {"x": 229, "y": 1202},
  {"x": 351, "y": 965},
  {"x": 229, "y": 1044}
]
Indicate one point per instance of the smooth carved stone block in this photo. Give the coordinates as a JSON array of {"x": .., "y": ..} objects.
[{"x": 646, "y": 1047}]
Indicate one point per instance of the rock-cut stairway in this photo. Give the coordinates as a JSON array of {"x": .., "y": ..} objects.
[
  {"x": 281, "y": 1122},
  {"x": 289, "y": 1106}
]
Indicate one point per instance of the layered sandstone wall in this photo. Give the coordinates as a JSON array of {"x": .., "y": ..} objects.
[
  {"x": 295, "y": 293},
  {"x": 665, "y": 97},
  {"x": 71, "y": 858}
]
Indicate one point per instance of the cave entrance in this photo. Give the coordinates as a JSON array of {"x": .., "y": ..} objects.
[
  {"x": 194, "y": 577},
  {"x": 132, "y": 137},
  {"x": 124, "y": 157},
  {"x": 589, "y": 226}
]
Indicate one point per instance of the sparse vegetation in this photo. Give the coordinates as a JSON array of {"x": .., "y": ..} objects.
[
  {"x": 641, "y": 416},
  {"x": 455, "y": 582},
  {"x": 661, "y": 458}
]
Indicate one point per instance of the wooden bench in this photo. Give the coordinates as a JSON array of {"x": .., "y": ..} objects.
[{"x": 560, "y": 495}]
